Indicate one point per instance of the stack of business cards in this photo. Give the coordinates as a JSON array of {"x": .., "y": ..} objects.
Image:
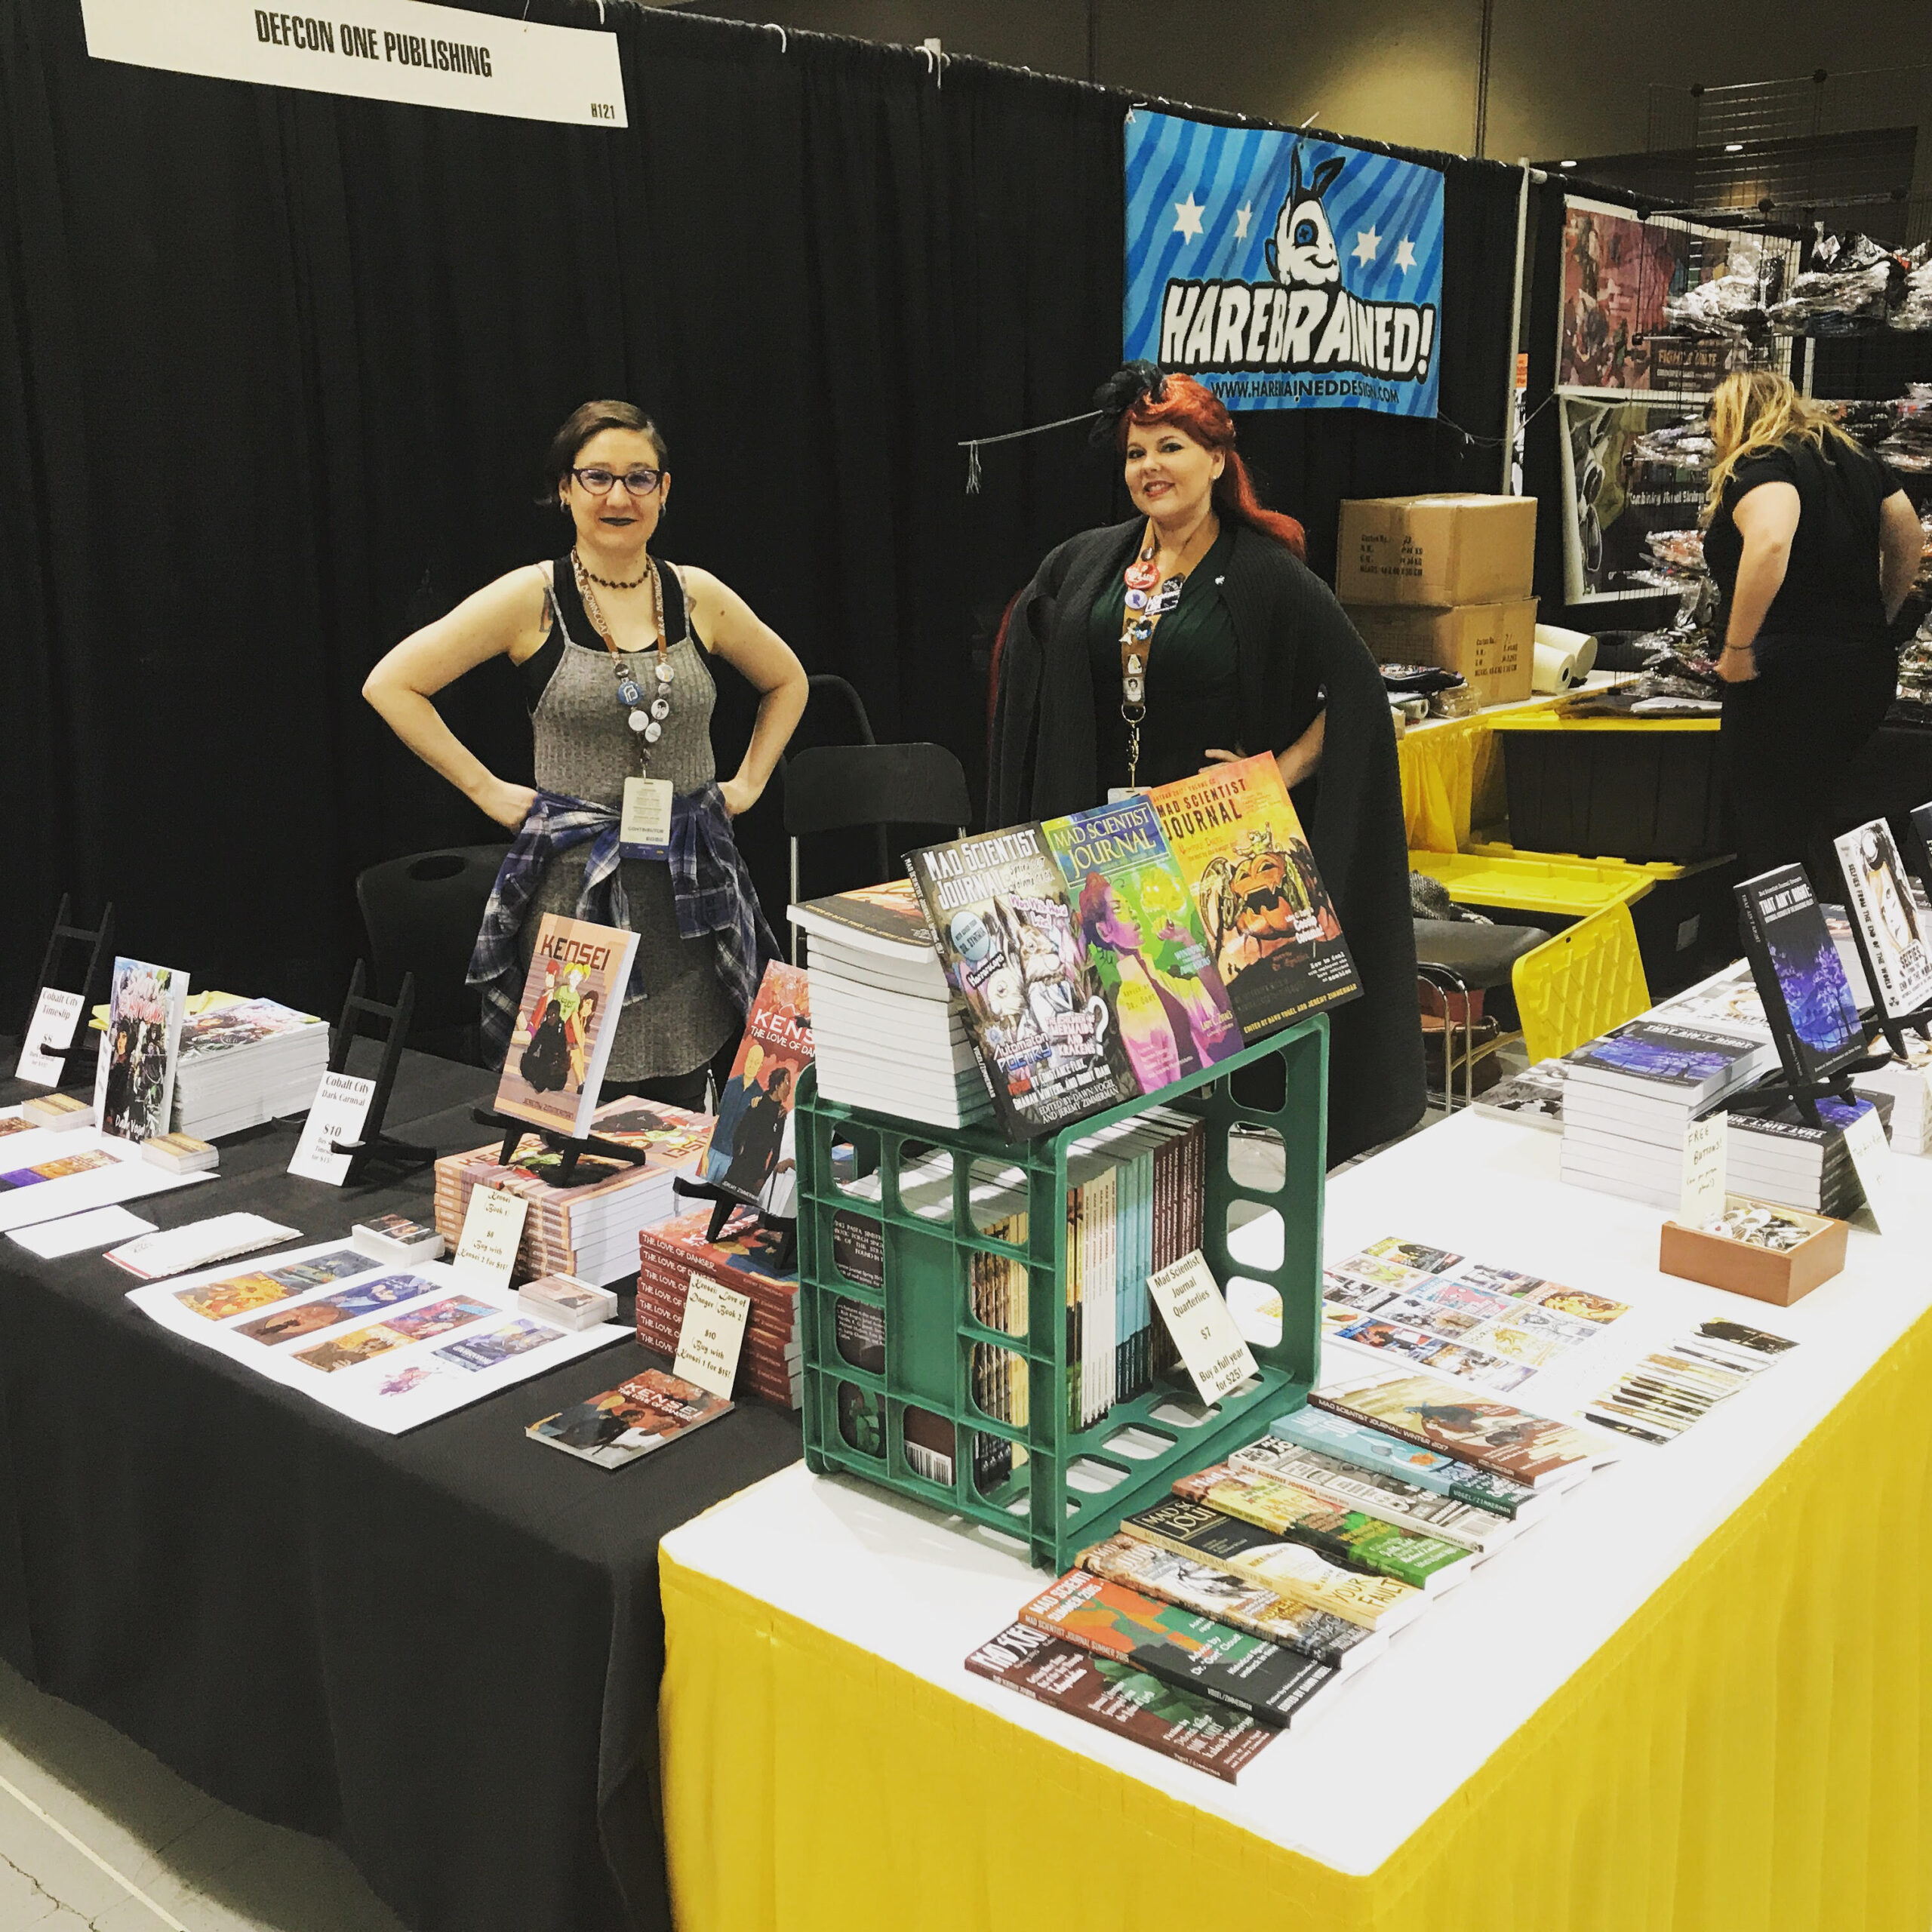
[
  {"x": 396, "y": 1237},
  {"x": 57, "y": 1110},
  {"x": 178, "y": 1153},
  {"x": 567, "y": 1302}
]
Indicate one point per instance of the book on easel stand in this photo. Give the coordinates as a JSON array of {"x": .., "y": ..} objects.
[
  {"x": 1808, "y": 998},
  {"x": 566, "y": 1025},
  {"x": 1889, "y": 932},
  {"x": 752, "y": 1159},
  {"x": 41, "y": 1061}
]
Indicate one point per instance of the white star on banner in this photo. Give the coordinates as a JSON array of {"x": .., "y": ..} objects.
[
  {"x": 1187, "y": 218},
  {"x": 1242, "y": 217},
  {"x": 1367, "y": 241},
  {"x": 1405, "y": 254}
]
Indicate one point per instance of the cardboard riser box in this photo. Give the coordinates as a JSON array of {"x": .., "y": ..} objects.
[
  {"x": 1436, "y": 551},
  {"x": 1493, "y": 645}
]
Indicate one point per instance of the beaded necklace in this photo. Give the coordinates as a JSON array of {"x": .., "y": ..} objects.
[{"x": 646, "y": 721}]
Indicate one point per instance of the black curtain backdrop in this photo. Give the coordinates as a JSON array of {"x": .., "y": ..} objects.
[{"x": 286, "y": 363}]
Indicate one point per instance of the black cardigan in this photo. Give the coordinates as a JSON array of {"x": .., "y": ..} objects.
[{"x": 1297, "y": 653}]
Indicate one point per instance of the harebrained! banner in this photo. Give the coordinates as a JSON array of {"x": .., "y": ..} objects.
[{"x": 1285, "y": 272}]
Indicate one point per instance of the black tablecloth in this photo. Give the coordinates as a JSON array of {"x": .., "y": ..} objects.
[{"x": 440, "y": 1649}]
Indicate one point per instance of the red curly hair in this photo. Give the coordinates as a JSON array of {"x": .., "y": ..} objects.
[{"x": 1195, "y": 410}]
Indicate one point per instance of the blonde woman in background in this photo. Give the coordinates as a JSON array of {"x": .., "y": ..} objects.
[{"x": 1814, "y": 543}]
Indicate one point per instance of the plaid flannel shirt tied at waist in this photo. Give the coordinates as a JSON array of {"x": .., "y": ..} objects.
[{"x": 709, "y": 881}]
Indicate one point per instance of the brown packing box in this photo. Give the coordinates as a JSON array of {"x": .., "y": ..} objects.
[
  {"x": 1437, "y": 550},
  {"x": 1493, "y": 645}
]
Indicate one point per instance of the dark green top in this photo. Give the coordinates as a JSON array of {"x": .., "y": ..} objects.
[{"x": 1193, "y": 678}]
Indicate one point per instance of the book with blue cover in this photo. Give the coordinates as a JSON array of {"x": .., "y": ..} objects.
[{"x": 1808, "y": 998}]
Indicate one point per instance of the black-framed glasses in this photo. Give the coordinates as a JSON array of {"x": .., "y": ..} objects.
[{"x": 600, "y": 481}]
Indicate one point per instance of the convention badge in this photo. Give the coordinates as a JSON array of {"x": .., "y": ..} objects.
[{"x": 646, "y": 826}]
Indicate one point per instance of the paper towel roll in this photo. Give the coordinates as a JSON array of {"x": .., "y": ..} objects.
[
  {"x": 1581, "y": 642},
  {"x": 1555, "y": 668}
]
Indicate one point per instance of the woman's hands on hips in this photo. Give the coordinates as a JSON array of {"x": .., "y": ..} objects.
[
  {"x": 740, "y": 795},
  {"x": 509, "y": 805}
]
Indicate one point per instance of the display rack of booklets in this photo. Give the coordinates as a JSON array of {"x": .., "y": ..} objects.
[
  {"x": 590, "y": 1227},
  {"x": 244, "y": 1062},
  {"x": 1219, "y": 1614},
  {"x": 391, "y": 1347},
  {"x": 977, "y": 1325},
  {"x": 745, "y": 1257}
]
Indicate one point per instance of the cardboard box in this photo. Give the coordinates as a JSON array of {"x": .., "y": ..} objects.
[
  {"x": 1763, "y": 1274},
  {"x": 1438, "y": 550},
  {"x": 1493, "y": 645}
]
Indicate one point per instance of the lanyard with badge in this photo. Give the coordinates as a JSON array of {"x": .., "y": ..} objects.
[
  {"x": 1149, "y": 600},
  {"x": 645, "y": 830}
]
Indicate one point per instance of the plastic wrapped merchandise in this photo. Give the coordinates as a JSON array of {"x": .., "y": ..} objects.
[
  {"x": 1909, "y": 446},
  {"x": 1914, "y": 309},
  {"x": 1852, "y": 284}
]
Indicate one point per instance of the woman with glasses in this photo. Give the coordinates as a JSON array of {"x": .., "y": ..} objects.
[
  {"x": 610, "y": 645},
  {"x": 1813, "y": 544}
]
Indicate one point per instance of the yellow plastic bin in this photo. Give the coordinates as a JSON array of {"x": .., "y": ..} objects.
[
  {"x": 1530, "y": 889},
  {"x": 1685, "y": 916},
  {"x": 1628, "y": 788}
]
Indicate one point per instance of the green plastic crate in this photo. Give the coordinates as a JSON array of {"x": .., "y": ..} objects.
[{"x": 1279, "y": 1083}]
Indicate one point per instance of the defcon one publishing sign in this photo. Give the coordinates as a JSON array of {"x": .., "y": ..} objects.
[{"x": 378, "y": 50}]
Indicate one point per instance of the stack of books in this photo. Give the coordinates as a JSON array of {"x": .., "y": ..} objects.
[
  {"x": 590, "y": 1227},
  {"x": 886, "y": 1035},
  {"x": 744, "y": 1257},
  {"x": 1773, "y": 1154},
  {"x": 246, "y": 1063},
  {"x": 1630, "y": 1096}
]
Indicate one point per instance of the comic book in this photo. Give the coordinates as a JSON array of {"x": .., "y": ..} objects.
[
  {"x": 1474, "y": 1428},
  {"x": 1043, "y": 1033},
  {"x": 566, "y": 1023},
  {"x": 1807, "y": 999},
  {"x": 1181, "y": 1724},
  {"x": 1290, "y": 1569},
  {"x": 1248, "y": 1674},
  {"x": 1407, "y": 1504},
  {"x": 1212, "y": 1589},
  {"x": 1270, "y": 924},
  {"x": 1898, "y": 964},
  {"x": 134, "y": 1085},
  {"x": 630, "y": 1420},
  {"x": 1376, "y": 1450},
  {"x": 1133, "y": 912},
  {"x": 752, "y": 1154},
  {"x": 1350, "y": 1538}
]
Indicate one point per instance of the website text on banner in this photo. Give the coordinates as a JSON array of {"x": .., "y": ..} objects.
[{"x": 1284, "y": 273}]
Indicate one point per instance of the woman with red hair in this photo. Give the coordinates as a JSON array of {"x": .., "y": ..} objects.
[{"x": 1192, "y": 635}]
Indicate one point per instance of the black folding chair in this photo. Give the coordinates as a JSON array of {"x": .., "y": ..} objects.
[
  {"x": 838, "y": 788},
  {"x": 422, "y": 913}
]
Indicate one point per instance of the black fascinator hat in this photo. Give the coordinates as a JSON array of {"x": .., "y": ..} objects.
[{"x": 1136, "y": 383}]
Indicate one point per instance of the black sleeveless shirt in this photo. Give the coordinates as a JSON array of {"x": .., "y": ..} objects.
[{"x": 568, "y": 616}]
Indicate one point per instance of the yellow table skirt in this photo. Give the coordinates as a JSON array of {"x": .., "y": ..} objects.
[{"x": 1751, "y": 1752}]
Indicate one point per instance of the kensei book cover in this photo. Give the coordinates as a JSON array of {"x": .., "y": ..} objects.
[
  {"x": 1045, "y": 1036},
  {"x": 1898, "y": 961},
  {"x": 133, "y": 1088},
  {"x": 1269, "y": 922},
  {"x": 752, "y": 1154},
  {"x": 1144, "y": 939},
  {"x": 566, "y": 1023},
  {"x": 1807, "y": 998}
]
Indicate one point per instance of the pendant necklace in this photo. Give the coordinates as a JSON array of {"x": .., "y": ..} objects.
[
  {"x": 1149, "y": 598},
  {"x": 645, "y": 718}
]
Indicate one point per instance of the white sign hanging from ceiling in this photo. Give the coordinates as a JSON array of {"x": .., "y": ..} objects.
[{"x": 376, "y": 50}]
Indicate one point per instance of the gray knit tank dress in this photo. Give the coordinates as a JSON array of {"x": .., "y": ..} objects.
[{"x": 583, "y": 749}]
